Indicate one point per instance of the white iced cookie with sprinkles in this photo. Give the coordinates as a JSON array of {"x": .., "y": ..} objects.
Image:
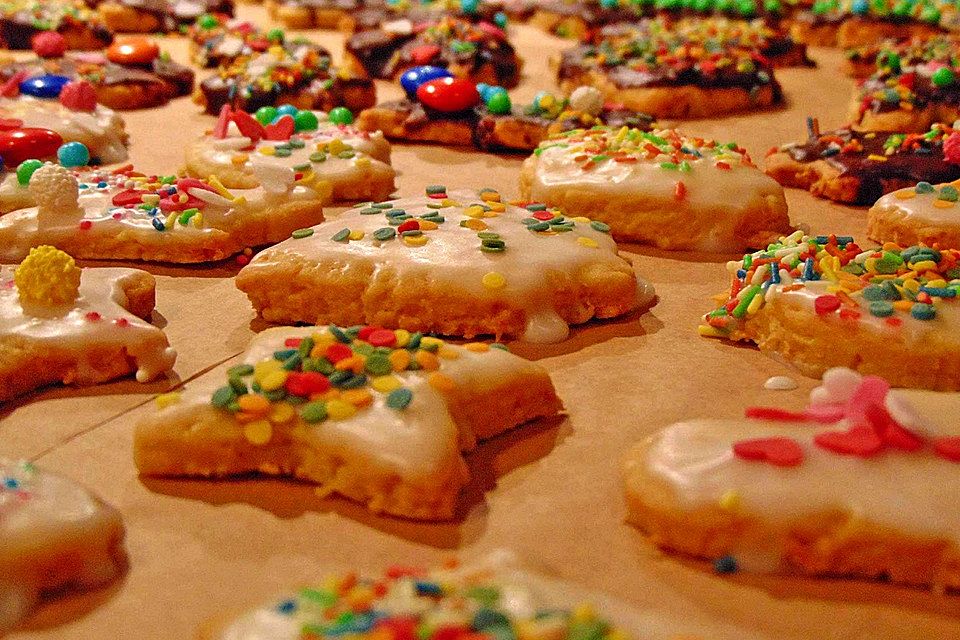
[
  {"x": 660, "y": 187},
  {"x": 59, "y": 323},
  {"x": 126, "y": 215},
  {"x": 375, "y": 415},
  {"x": 854, "y": 485},
  {"x": 925, "y": 213},
  {"x": 54, "y": 536},
  {"x": 460, "y": 263},
  {"x": 241, "y": 151}
]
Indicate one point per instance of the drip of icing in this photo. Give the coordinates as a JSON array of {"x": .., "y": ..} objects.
[{"x": 545, "y": 326}]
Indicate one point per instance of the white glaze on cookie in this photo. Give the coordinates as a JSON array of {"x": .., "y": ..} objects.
[
  {"x": 629, "y": 163},
  {"x": 101, "y": 130},
  {"x": 97, "y": 318},
  {"x": 925, "y": 207},
  {"x": 452, "y": 255},
  {"x": 47, "y": 524}
]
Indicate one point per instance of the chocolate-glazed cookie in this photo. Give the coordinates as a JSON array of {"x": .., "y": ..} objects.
[
  {"x": 147, "y": 16},
  {"x": 21, "y": 20},
  {"x": 907, "y": 98}
]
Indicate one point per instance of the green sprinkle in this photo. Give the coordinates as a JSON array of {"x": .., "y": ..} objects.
[
  {"x": 222, "y": 397},
  {"x": 314, "y": 411},
  {"x": 435, "y": 189},
  {"x": 302, "y": 233},
  {"x": 881, "y": 308},
  {"x": 318, "y": 156},
  {"x": 385, "y": 233},
  {"x": 922, "y": 311},
  {"x": 602, "y": 227},
  {"x": 239, "y": 386},
  {"x": 340, "y": 236},
  {"x": 400, "y": 398},
  {"x": 339, "y": 334},
  {"x": 240, "y": 370},
  {"x": 378, "y": 365}
]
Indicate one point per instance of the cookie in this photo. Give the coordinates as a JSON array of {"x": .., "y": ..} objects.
[
  {"x": 857, "y": 167},
  {"x": 73, "y": 23},
  {"x": 374, "y": 415},
  {"x": 672, "y": 75},
  {"x": 218, "y": 40},
  {"x": 907, "y": 99},
  {"x": 240, "y": 151},
  {"x": 925, "y": 214},
  {"x": 315, "y": 14},
  {"x": 864, "y": 61},
  {"x": 129, "y": 216},
  {"x": 841, "y": 489},
  {"x": 831, "y": 303},
  {"x": 61, "y": 324},
  {"x": 856, "y": 23},
  {"x": 150, "y": 16},
  {"x": 476, "y": 598},
  {"x": 478, "y": 52},
  {"x": 55, "y": 536},
  {"x": 75, "y": 118},
  {"x": 659, "y": 187},
  {"x": 488, "y": 120},
  {"x": 459, "y": 264},
  {"x": 301, "y": 75},
  {"x": 118, "y": 86}
]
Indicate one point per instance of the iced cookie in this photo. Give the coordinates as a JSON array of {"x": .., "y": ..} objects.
[
  {"x": 456, "y": 112},
  {"x": 864, "y": 61},
  {"x": 54, "y": 536},
  {"x": 150, "y": 16},
  {"x": 59, "y": 323},
  {"x": 375, "y": 415},
  {"x": 673, "y": 75},
  {"x": 907, "y": 99},
  {"x": 301, "y": 75},
  {"x": 477, "y": 52},
  {"x": 925, "y": 214},
  {"x": 487, "y": 597},
  {"x": 857, "y": 23},
  {"x": 659, "y": 187},
  {"x": 128, "y": 216},
  {"x": 240, "y": 149},
  {"x": 461, "y": 264},
  {"x": 68, "y": 25},
  {"x": 852, "y": 486},
  {"x": 826, "y": 302},
  {"x": 858, "y": 167}
]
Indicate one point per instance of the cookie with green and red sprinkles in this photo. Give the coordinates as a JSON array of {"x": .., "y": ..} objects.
[
  {"x": 460, "y": 263},
  {"x": 127, "y": 215},
  {"x": 492, "y": 597},
  {"x": 864, "y": 61},
  {"x": 857, "y": 167},
  {"x": 856, "y": 23},
  {"x": 377, "y": 415},
  {"x": 840, "y": 488},
  {"x": 818, "y": 302},
  {"x": 659, "y": 187},
  {"x": 908, "y": 98}
]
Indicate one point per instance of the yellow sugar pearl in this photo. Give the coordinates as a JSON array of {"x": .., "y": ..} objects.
[
  {"x": 494, "y": 280},
  {"x": 448, "y": 353},
  {"x": 47, "y": 276},
  {"x": 165, "y": 400},
  {"x": 474, "y": 211},
  {"x": 477, "y": 347},
  {"x": 239, "y": 158},
  {"x": 415, "y": 241},
  {"x": 427, "y": 360},
  {"x": 476, "y": 225},
  {"x": 403, "y": 337},
  {"x": 730, "y": 500},
  {"x": 357, "y": 397},
  {"x": 253, "y": 403},
  {"x": 584, "y": 241},
  {"x": 427, "y": 225},
  {"x": 490, "y": 196},
  {"x": 441, "y": 382},
  {"x": 386, "y": 384},
  {"x": 258, "y": 432},
  {"x": 274, "y": 380},
  {"x": 340, "y": 410},
  {"x": 281, "y": 413},
  {"x": 399, "y": 359},
  {"x": 357, "y": 234}
]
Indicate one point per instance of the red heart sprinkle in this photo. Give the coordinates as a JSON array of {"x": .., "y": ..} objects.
[
  {"x": 282, "y": 129},
  {"x": 890, "y": 432},
  {"x": 248, "y": 125},
  {"x": 780, "y": 452}
]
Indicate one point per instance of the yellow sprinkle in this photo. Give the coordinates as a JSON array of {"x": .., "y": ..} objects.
[
  {"x": 730, "y": 500},
  {"x": 428, "y": 225},
  {"x": 494, "y": 280},
  {"x": 347, "y": 364},
  {"x": 584, "y": 241},
  {"x": 430, "y": 342},
  {"x": 340, "y": 410},
  {"x": 165, "y": 400},
  {"x": 253, "y": 403},
  {"x": 584, "y": 612},
  {"x": 197, "y": 220},
  {"x": 441, "y": 382},
  {"x": 447, "y": 202},
  {"x": 499, "y": 207},
  {"x": 239, "y": 158},
  {"x": 755, "y": 305},
  {"x": 281, "y": 413},
  {"x": 490, "y": 196},
  {"x": 356, "y": 234},
  {"x": 362, "y": 162},
  {"x": 214, "y": 182},
  {"x": 876, "y": 158},
  {"x": 385, "y": 384},
  {"x": 477, "y": 347},
  {"x": 902, "y": 305},
  {"x": 448, "y": 353},
  {"x": 261, "y": 369},
  {"x": 905, "y": 194},
  {"x": 476, "y": 225},
  {"x": 474, "y": 211},
  {"x": 923, "y": 265},
  {"x": 171, "y": 220},
  {"x": 415, "y": 241},
  {"x": 870, "y": 264},
  {"x": 939, "y": 283},
  {"x": 403, "y": 337},
  {"x": 399, "y": 359},
  {"x": 357, "y": 397},
  {"x": 943, "y": 204},
  {"x": 267, "y": 151},
  {"x": 707, "y": 331},
  {"x": 335, "y": 146},
  {"x": 326, "y": 396},
  {"x": 274, "y": 380},
  {"x": 912, "y": 285},
  {"x": 153, "y": 199},
  {"x": 427, "y": 360},
  {"x": 582, "y": 219},
  {"x": 258, "y": 432}
]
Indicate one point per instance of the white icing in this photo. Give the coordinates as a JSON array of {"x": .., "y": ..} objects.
[
  {"x": 42, "y": 514},
  {"x": 101, "y": 130},
  {"x": 68, "y": 327},
  {"x": 921, "y": 209},
  {"x": 452, "y": 259}
]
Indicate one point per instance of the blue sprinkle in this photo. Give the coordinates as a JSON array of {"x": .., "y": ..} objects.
[
  {"x": 158, "y": 224},
  {"x": 725, "y": 564},
  {"x": 940, "y": 292},
  {"x": 822, "y": 239},
  {"x": 287, "y": 607},
  {"x": 428, "y": 588},
  {"x": 11, "y": 483},
  {"x": 808, "y": 272},
  {"x": 775, "y": 274},
  {"x": 741, "y": 273},
  {"x": 844, "y": 240}
]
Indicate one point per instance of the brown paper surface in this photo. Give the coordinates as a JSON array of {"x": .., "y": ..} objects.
[{"x": 549, "y": 492}]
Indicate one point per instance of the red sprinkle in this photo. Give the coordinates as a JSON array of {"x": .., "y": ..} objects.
[
  {"x": 780, "y": 452},
  {"x": 306, "y": 383},
  {"x": 680, "y": 191},
  {"x": 860, "y": 441},
  {"x": 92, "y": 316},
  {"x": 337, "y": 352},
  {"x": 773, "y": 413},
  {"x": 826, "y": 304},
  {"x": 382, "y": 338},
  {"x": 948, "y": 448},
  {"x": 408, "y": 225},
  {"x": 85, "y": 224},
  {"x": 121, "y": 322},
  {"x": 543, "y": 215},
  {"x": 293, "y": 343}
]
